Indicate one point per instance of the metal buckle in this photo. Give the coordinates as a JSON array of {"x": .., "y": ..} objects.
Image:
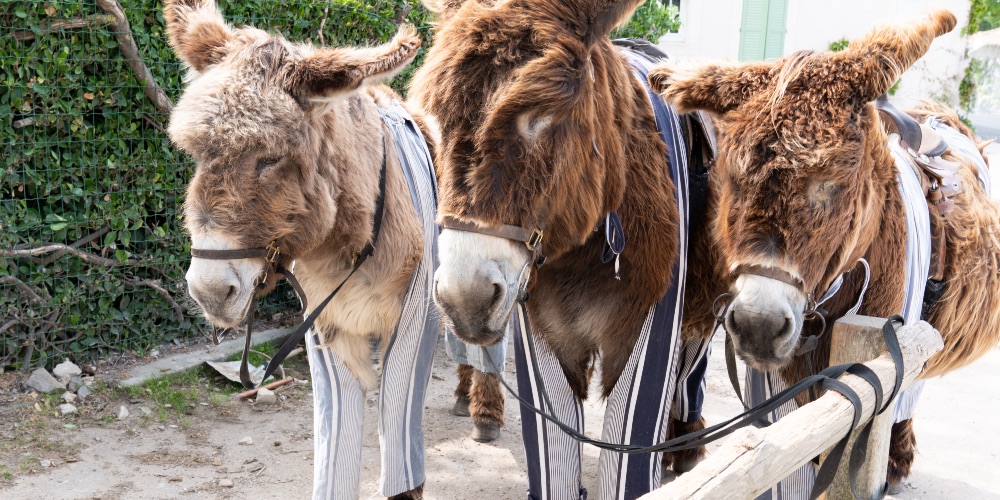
[
  {"x": 273, "y": 251},
  {"x": 535, "y": 239}
]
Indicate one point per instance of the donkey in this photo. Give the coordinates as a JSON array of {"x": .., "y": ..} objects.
[
  {"x": 807, "y": 183},
  {"x": 546, "y": 133},
  {"x": 298, "y": 151}
]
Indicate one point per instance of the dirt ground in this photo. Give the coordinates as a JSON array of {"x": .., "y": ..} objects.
[{"x": 186, "y": 454}]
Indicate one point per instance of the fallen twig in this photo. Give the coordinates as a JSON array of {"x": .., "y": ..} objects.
[
  {"x": 76, "y": 244},
  {"x": 123, "y": 32},
  {"x": 272, "y": 385},
  {"x": 67, "y": 24},
  {"x": 59, "y": 247}
]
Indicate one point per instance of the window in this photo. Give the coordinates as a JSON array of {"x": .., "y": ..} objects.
[
  {"x": 677, "y": 34},
  {"x": 762, "y": 30}
]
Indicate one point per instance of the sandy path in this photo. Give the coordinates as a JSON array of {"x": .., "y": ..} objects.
[{"x": 956, "y": 429}]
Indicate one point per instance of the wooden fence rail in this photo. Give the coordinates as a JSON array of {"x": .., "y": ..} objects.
[{"x": 752, "y": 460}]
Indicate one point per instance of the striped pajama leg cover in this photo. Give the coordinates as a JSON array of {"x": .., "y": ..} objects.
[
  {"x": 640, "y": 403},
  {"x": 338, "y": 401}
]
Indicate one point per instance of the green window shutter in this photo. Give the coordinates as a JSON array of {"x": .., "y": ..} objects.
[
  {"x": 752, "y": 30},
  {"x": 774, "y": 41}
]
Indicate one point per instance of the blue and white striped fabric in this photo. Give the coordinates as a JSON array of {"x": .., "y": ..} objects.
[
  {"x": 478, "y": 357},
  {"x": 638, "y": 407},
  {"x": 338, "y": 402}
]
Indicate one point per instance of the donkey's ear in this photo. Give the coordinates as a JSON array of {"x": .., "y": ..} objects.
[
  {"x": 602, "y": 16},
  {"x": 877, "y": 60},
  {"x": 197, "y": 31},
  {"x": 330, "y": 72},
  {"x": 711, "y": 87}
]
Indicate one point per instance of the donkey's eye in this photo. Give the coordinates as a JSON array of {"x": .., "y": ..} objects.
[{"x": 267, "y": 162}]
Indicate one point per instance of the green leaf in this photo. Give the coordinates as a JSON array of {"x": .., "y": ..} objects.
[{"x": 20, "y": 13}]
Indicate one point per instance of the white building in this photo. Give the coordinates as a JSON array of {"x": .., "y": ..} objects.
[{"x": 763, "y": 29}]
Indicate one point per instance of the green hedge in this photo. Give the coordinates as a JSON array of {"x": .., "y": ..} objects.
[
  {"x": 95, "y": 160},
  {"x": 85, "y": 160}
]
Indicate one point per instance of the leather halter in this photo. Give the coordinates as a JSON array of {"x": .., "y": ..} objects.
[
  {"x": 272, "y": 256},
  {"x": 532, "y": 238},
  {"x": 770, "y": 272}
]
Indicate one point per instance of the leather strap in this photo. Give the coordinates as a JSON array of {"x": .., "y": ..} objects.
[
  {"x": 239, "y": 253},
  {"x": 532, "y": 238},
  {"x": 770, "y": 272},
  {"x": 908, "y": 128}
]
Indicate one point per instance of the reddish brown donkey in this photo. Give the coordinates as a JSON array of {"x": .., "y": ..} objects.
[{"x": 806, "y": 184}]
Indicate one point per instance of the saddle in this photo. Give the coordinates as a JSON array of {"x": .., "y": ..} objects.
[{"x": 938, "y": 177}]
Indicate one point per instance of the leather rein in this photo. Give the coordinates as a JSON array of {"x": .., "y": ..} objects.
[
  {"x": 532, "y": 238},
  {"x": 271, "y": 254}
]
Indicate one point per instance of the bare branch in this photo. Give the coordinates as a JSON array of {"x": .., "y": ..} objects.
[
  {"x": 131, "y": 52},
  {"x": 155, "y": 285},
  {"x": 76, "y": 244},
  {"x": 8, "y": 325},
  {"x": 24, "y": 287},
  {"x": 326, "y": 11},
  {"x": 58, "y": 247},
  {"x": 401, "y": 15},
  {"x": 67, "y": 24}
]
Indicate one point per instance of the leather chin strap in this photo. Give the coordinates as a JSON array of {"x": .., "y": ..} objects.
[
  {"x": 532, "y": 238},
  {"x": 272, "y": 258}
]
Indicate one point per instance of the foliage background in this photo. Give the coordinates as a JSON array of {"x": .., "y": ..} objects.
[{"x": 86, "y": 162}]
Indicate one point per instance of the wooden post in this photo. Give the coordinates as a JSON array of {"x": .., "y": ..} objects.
[
  {"x": 858, "y": 339},
  {"x": 751, "y": 460}
]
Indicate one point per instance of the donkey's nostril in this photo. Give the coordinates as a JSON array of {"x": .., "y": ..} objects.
[
  {"x": 497, "y": 294},
  {"x": 230, "y": 293}
]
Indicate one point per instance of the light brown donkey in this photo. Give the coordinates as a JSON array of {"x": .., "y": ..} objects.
[
  {"x": 291, "y": 143},
  {"x": 806, "y": 184}
]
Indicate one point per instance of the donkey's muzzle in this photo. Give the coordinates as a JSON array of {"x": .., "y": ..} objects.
[
  {"x": 764, "y": 339},
  {"x": 476, "y": 305}
]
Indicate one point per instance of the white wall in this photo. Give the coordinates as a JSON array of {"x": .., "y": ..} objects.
[{"x": 711, "y": 30}]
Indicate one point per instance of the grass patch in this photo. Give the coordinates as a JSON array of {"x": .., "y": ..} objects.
[
  {"x": 174, "y": 396},
  {"x": 267, "y": 348}
]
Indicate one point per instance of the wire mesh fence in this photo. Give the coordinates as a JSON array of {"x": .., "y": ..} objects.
[{"x": 92, "y": 247}]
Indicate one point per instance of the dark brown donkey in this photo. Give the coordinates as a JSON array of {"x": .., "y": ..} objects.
[
  {"x": 806, "y": 184},
  {"x": 544, "y": 131},
  {"x": 291, "y": 144}
]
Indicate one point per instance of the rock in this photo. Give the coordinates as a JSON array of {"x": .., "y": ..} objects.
[
  {"x": 83, "y": 392},
  {"x": 45, "y": 463},
  {"x": 69, "y": 397},
  {"x": 154, "y": 353},
  {"x": 247, "y": 441},
  {"x": 122, "y": 413},
  {"x": 88, "y": 381},
  {"x": 66, "y": 409},
  {"x": 74, "y": 384},
  {"x": 66, "y": 370},
  {"x": 266, "y": 397},
  {"x": 42, "y": 381},
  {"x": 217, "y": 462},
  {"x": 226, "y": 483}
]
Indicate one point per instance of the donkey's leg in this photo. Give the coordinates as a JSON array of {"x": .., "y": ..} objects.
[
  {"x": 638, "y": 408},
  {"x": 902, "y": 439},
  {"x": 552, "y": 457},
  {"x": 487, "y": 406},
  {"x": 462, "y": 395},
  {"x": 406, "y": 371},
  {"x": 338, "y": 410},
  {"x": 685, "y": 415}
]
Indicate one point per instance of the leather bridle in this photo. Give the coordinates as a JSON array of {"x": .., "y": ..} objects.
[
  {"x": 532, "y": 238},
  {"x": 271, "y": 254}
]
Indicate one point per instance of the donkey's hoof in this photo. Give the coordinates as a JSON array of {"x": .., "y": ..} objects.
[
  {"x": 461, "y": 408},
  {"x": 414, "y": 494},
  {"x": 895, "y": 488},
  {"x": 485, "y": 433}
]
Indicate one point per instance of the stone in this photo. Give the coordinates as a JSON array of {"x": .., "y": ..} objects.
[
  {"x": 66, "y": 370},
  {"x": 66, "y": 409},
  {"x": 42, "y": 381},
  {"x": 266, "y": 397},
  {"x": 45, "y": 463},
  {"x": 226, "y": 483},
  {"x": 247, "y": 441},
  {"x": 83, "y": 392},
  {"x": 88, "y": 381},
  {"x": 122, "y": 413},
  {"x": 69, "y": 397},
  {"x": 74, "y": 384}
]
